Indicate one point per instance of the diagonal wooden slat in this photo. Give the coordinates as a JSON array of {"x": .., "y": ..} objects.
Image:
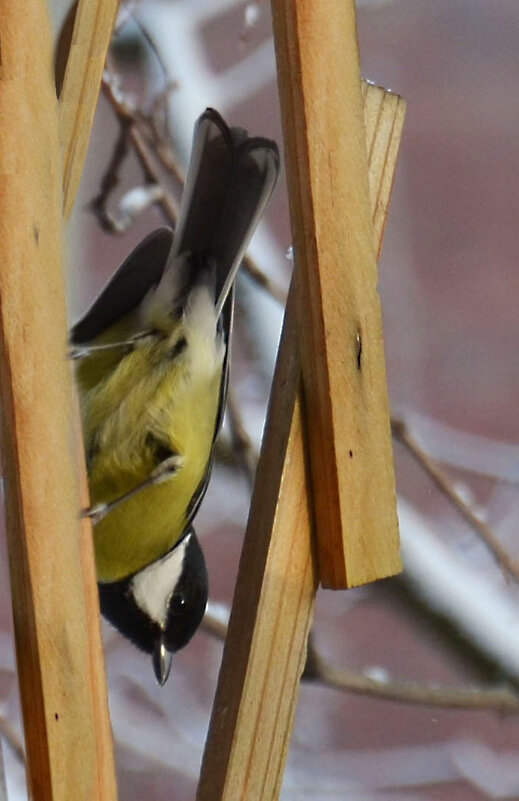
[
  {"x": 340, "y": 318},
  {"x": 265, "y": 650}
]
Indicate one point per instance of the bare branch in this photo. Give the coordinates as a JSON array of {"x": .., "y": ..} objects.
[
  {"x": 263, "y": 281},
  {"x": 241, "y": 442},
  {"x": 128, "y": 116},
  {"x": 318, "y": 669},
  {"x": 110, "y": 180},
  {"x": 149, "y": 145},
  {"x": 503, "y": 558},
  {"x": 502, "y": 699}
]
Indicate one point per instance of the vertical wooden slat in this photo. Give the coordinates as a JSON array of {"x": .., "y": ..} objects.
[
  {"x": 52, "y": 570},
  {"x": 340, "y": 318},
  {"x": 264, "y": 654},
  {"x": 83, "y": 47}
]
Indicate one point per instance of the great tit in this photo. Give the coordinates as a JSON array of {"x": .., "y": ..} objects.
[{"x": 152, "y": 362}]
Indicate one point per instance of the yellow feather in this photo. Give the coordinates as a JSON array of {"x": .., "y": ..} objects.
[{"x": 162, "y": 392}]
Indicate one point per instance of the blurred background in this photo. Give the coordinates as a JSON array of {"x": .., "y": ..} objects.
[{"x": 429, "y": 661}]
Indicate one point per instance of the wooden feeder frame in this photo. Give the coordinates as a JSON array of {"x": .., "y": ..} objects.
[{"x": 323, "y": 507}]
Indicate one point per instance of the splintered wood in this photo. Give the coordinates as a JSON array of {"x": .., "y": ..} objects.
[
  {"x": 93, "y": 24},
  {"x": 341, "y": 337},
  {"x": 272, "y": 610},
  {"x": 55, "y": 608}
]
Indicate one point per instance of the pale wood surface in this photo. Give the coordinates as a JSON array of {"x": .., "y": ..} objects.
[
  {"x": 91, "y": 36},
  {"x": 384, "y": 114},
  {"x": 340, "y": 319},
  {"x": 272, "y": 609},
  {"x": 60, "y": 664},
  {"x": 264, "y": 654}
]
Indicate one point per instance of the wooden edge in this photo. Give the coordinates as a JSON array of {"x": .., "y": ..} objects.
[
  {"x": 272, "y": 609},
  {"x": 60, "y": 667},
  {"x": 264, "y": 654},
  {"x": 384, "y": 114},
  {"x": 93, "y": 25},
  {"x": 340, "y": 319},
  {"x": 104, "y": 743}
]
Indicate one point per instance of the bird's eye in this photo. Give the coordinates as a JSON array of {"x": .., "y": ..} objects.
[{"x": 178, "y": 603}]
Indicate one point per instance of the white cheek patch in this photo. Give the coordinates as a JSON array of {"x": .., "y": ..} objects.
[{"x": 153, "y": 586}]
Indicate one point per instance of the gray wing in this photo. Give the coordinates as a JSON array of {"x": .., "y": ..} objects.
[
  {"x": 140, "y": 271},
  {"x": 229, "y": 182}
]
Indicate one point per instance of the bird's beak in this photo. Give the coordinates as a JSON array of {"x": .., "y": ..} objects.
[{"x": 161, "y": 661}]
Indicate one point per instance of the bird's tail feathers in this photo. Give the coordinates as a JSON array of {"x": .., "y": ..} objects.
[
  {"x": 252, "y": 183},
  {"x": 229, "y": 182}
]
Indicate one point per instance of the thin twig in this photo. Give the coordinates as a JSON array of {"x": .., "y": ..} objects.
[
  {"x": 148, "y": 147},
  {"x": 110, "y": 180},
  {"x": 143, "y": 153},
  {"x": 318, "y": 669},
  {"x": 263, "y": 281},
  {"x": 160, "y": 102},
  {"x": 161, "y": 97},
  {"x": 13, "y": 740},
  {"x": 162, "y": 148},
  {"x": 501, "y": 699},
  {"x": 169, "y": 161},
  {"x": 503, "y": 558},
  {"x": 241, "y": 442}
]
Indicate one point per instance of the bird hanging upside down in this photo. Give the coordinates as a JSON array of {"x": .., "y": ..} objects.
[{"x": 152, "y": 358}]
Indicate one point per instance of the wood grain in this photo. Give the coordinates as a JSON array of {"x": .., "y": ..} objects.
[
  {"x": 384, "y": 114},
  {"x": 272, "y": 608},
  {"x": 265, "y": 650},
  {"x": 93, "y": 25},
  {"x": 340, "y": 318},
  {"x": 60, "y": 664}
]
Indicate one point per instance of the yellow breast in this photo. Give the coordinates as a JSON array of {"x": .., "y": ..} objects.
[{"x": 154, "y": 394}]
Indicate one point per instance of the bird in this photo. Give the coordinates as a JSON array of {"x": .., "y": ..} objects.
[{"x": 151, "y": 362}]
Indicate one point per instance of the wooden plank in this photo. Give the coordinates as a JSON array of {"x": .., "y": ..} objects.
[
  {"x": 60, "y": 666},
  {"x": 80, "y": 57},
  {"x": 95, "y": 671},
  {"x": 264, "y": 654},
  {"x": 384, "y": 114},
  {"x": 93, "y": 25},
  {"x": 272, "y": 608},
  {"x": 340, "y": 317}
]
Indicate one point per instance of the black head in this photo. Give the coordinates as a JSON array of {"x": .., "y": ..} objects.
[
  {"x": 160, "y": 607},
  {"x": 187, "y": 604}
]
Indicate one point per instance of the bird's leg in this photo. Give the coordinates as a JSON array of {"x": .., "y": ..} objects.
[
  {"x": 82, "y": 351},
  {"x": 164, "y": 471}
]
